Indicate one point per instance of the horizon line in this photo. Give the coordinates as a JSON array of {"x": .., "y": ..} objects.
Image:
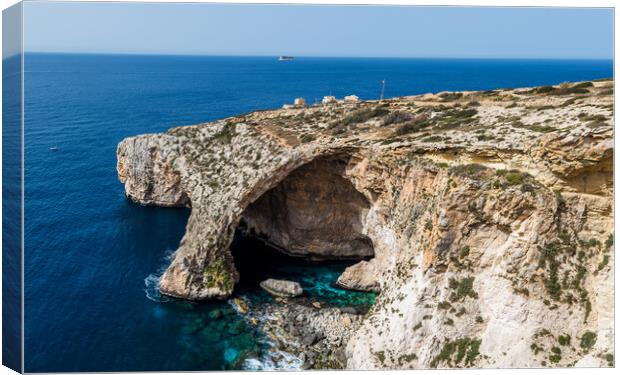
[{"x": 154, "y": 54}]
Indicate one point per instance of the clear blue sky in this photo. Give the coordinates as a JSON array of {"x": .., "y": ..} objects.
[{"x": 306, "y": 30}]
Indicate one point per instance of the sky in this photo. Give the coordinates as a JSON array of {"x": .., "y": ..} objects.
[{"x": 307, "y": 30}]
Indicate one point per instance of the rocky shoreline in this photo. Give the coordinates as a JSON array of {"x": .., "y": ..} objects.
[
  {"x": 486, "y": 218},
  {"x": 309, "y": 331}
]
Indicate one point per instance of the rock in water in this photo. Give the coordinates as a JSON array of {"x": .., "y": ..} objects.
[
  {"x": 282, "y": 288},
  {"x": 241, "y": 306},
  {"x": 360, "y": 276}
]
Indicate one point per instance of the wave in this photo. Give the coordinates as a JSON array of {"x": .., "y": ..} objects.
[
  {"x": 274, "y": 360},
  {"x": 271, "y": 358},
  {"x": 151, "y": 282}
]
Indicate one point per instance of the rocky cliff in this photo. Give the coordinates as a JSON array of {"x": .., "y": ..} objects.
[{"x": 488, "y": 216}]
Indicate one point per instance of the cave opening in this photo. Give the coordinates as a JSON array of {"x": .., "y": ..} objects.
[{"x": 308, "y": 228}]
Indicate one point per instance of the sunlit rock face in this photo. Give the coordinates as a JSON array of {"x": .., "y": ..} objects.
[
  {"x": 488, "y": 216},
  {"x": 314, "y": 212}
]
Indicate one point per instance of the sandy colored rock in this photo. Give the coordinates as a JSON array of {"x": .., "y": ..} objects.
[
  {"x": 360, "y": 276},
  {"x": 282, "y": 288},
  {"x": 488, "y": 216}
]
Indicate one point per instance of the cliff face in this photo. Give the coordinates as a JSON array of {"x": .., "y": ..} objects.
[{"x": 488, "y": 216}]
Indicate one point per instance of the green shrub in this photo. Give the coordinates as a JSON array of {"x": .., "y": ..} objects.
[
  {"x": 569, "y": 90},
  {"x": 397, "y": 117},
  {"x": 432, "y": 138},
  {"x": 585, "y": 117},
  {"x": 227, "y": 133},
  {"x": 583, "y": 85},
  {"x": 307, "y": 138},
  {"x": 468, "y": 170},
  {"x": 357, "y": 117},
  {"x": 541, "y": 128},
  {"x": 588, "y": 340},
  {"x": 543, "y": 89},
  {"x": 428, "y": 225},
  {"x": 465, "y": 349},
  {"x": 549, "y": 255},
  {"x": 450, "y": 96},
  {"x": 603, "y": 263},
  {"x": 462, "y": 288},
  {"x": 609, "y": 242},
  {"x": 522, "y": 291},
  {"x": 412, "y": 127},
  {"x": 564, "y": 340},
  {"x": 380, "y": 356}
]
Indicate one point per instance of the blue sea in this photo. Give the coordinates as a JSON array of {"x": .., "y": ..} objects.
[{"x": 92, "y": 258}]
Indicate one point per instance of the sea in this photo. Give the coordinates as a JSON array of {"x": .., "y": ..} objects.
[{"x": 93, "y": 258}]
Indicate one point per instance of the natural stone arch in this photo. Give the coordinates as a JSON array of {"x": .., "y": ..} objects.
[{"x": 203, "y": 266}]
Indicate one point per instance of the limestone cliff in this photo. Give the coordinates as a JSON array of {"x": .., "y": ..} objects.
[{"x": 488, "y": 216}]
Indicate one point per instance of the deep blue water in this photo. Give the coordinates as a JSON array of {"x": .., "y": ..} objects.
[{"x": 89, "y": 251}]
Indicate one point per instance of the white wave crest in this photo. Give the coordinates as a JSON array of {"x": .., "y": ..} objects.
[{"x": 151, "y": 282}]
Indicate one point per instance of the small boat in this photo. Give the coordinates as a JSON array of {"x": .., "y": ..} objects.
[
  {"x": 54, "y": 148},
  {"x": 286, "y": 58}
]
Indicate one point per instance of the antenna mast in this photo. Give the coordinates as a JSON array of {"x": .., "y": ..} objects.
[{"x": 382, "y": 89}]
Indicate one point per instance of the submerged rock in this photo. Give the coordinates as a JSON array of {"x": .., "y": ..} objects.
[
  {"x": 282, "y": 288},
  {"x": 240, "y": 305}
]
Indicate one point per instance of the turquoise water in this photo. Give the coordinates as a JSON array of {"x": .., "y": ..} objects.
[
  {"x": 92, "y": 258},
  {"x": 214, "y": 332}
]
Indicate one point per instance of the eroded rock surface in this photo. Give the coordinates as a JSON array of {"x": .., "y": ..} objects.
[
  {"x": 313, "y": 212},
  {"x": 282, "y": 288},
  {"x": 488, "y": 216},
  {"x": 360, "y": 276}
]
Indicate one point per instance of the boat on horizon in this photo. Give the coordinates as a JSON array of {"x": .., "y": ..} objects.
[{"x": 286, "y": 58}]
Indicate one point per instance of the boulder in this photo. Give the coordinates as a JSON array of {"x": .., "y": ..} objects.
[
  {"x": 282, "y": 288},
  {"x": 360, "y": 276}
]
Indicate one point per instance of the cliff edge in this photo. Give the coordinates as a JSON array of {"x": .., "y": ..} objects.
[{"x": 488, "y": 216}]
